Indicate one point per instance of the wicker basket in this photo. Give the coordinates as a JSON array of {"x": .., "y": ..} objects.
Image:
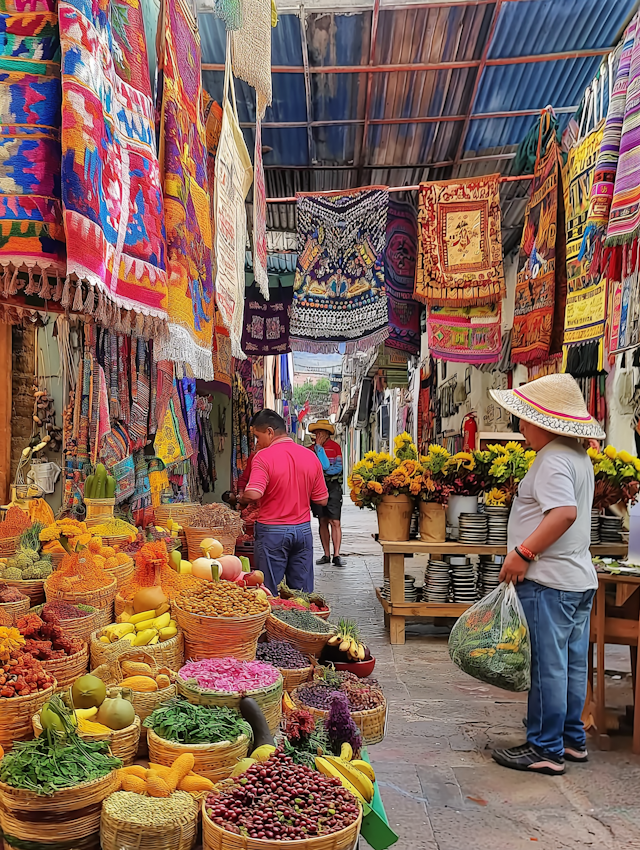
[
  {"x": 70, "y": 817},
  {"x": 215, "y": 761},
  {"x": 143, "y": 702},
  {"x": 56, "y": 558},
  {"x": 324, "y": 615},
  {"x": 16, "y": 714},
  {"x": 310, "y": 643},
  {"x": 371, "y": 723},
  {"x": 98, "y": 510},
  {"x": 181, "y": 512},
  {"x": 269, "y": 699},
  {"x": 123, "y": 742},
  {"x": 77, "y": 627},
  {"x": 195, "y": 536},
  {"x": 10, "y": 612},
  {"x": 295, "y": 678},
  {"x": 166, "y": 653},
  {"x": 101, "y": 598},
  {"x": 219, "y": 637},
  {"x": 33, "y": 588},
  {"x": 117, "y": 833},
  {"x": 214, "y": 837},
  {"x": 122, "y": 572},
  {"x": 66, "y": 670},
  {"x": 8, "y": 546}
]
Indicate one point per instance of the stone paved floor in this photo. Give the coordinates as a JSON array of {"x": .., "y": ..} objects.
[{"x": 439, "y": 785}]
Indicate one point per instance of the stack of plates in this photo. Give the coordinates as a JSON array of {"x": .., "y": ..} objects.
[
  {"x": 473, "y": 528},
  {"x": 489, "y": 573},
  {"x": 411, "y": 592},
  {"x": 464, "y": 581},
  {"x": 498, "y": 521},
  {"x": 595, "y": 527},
  {"x": 437, "y": 583},
  {"x": 610, "y": 529}
]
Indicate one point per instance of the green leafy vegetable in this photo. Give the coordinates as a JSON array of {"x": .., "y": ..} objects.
[{"x": 179, "y": 721}]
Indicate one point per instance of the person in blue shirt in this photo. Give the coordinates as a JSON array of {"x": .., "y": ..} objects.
[{"x": 329, "y": 454}]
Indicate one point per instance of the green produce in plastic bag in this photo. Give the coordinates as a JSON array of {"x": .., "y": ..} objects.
[{"x": 491, "y": 641}]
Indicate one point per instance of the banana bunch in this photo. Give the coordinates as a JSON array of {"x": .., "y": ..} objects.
[
  {"x": 356, "y": 776},
  {"x": 144, "y": 629},
  {"x": 347, "y": 639}
]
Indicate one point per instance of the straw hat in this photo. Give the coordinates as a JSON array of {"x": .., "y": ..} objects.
[
  {"x": 322, "y": 425},
  {"x": 554, "y": 403}
]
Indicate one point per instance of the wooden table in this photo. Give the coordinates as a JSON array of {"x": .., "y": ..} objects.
[
  {"x": 396, "y": 610},
  {"x": 607, "y": 627}
]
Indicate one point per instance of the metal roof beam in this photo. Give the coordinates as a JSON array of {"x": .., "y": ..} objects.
[
  {"x": 427, "y": 66},
  {"x": 375, "y": 16},
  {"x": 407, "y": 166}
]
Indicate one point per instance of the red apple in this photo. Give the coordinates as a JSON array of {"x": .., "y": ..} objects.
[{"x": 254, "y": 579}]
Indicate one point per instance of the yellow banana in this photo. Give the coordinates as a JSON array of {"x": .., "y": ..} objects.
[
  {"x": 153, "y": 640},
  {"x": 334, "y": 640},
  {"x": 168, "y": 632},
  {"x": 163, "y": 621},
  {"x": 361, "y": 652},
  {"x": 118, "y": 630},
  {"x": 86, "y": 713},
  {"x": 364, "y": 767},
  {"x": 344, "y": 646},
  {"x": 130, "y": 637},
  {"x": 346, "y": 752},
  {"x": 355, "y": 777},
  {"x": 145, "y": 637},
  {"x": 104, "y": 639},
  {"x": 143, "y": 625},
  {"x": 325, "y": 766},
  {"x": 140, "y": 618}
]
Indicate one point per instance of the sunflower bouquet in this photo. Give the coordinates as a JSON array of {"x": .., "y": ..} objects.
[
  {"x": 434, "y": 463},
  {"x": 617, "y": 477},
  {"x": 465, "y": 473},
  {"x": 504, "y": 467},
  {"x": 380, "y": 474}
]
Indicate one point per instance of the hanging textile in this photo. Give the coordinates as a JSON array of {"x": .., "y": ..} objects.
[
  {"x": 460, "y": 243},
  {"x": 140, "y": 393},
  {"x": 222, "y": 357},
  {"x": 266, "y": 323},
  {"x": 585, "y": 314},
  {"x": 540, "y": 299},
  {"x": 339, "y": 294},
  {"x": 229, "y": 11},
  {"x": 111, "y": 192},
  {"x": 624, "y": 303},
  {"x": 400, "y": 271},
  {"x": 212, "y": 117},
  {"x": 465, "y": 335},
  {"x": 183, "y": 155},
  {"x": 260, "y": 217},
  {"x": 232, "y": 182},
  {"x": 30, "y": 95},
  {"x": 242, "y": 412},
  {"x": 251, "y": 51}
]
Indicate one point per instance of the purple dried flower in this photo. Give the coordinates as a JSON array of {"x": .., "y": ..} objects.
[{"x": 340, "y": 725}]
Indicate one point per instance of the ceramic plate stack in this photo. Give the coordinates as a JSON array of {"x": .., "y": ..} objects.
[
  {"x": 464, "y": 580},
  {"x": 411, "y": 592},
  {"x": 473, "y": 528},
  {"x": 498, "y": 517},
  {"x": 489, "y": 573},
  {"x": 595, "y": 527},
  {"x": 437, "y": 583},
  {"x": 610, "y": 529}
]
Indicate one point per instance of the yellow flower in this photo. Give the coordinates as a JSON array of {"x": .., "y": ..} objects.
[
  {"x": 416, "y": 487},
  {"x": 438, "y": 450},
  {"x": 496, "y": 497},
  {"x": 611, "y": 452},
  {"x": 503, "y": 460},
  {"x": 593, "y": 453},
  {"x": 636, "y": 463},
  {"x": 625, "y": 457},
  {"x": 512, "y": 446}
]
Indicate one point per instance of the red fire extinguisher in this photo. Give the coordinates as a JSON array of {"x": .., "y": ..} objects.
[{"x": 469, "y": 430}]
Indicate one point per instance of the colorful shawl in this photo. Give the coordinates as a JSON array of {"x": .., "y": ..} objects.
[
  {"x": 183, "y": 153},
  {"x": 31, "y": 229},
  {"x": 400, "y": 273},
  {"x": 251, "y": 51},
  {"x": 212, "y": 117},
  {"x": 465, "y": 335},
  {"x": 541, "y": 284},
  {"x": 222, "y": 358},
  {"x": 266, "y": 323},
  {"x": 229, "y": 11},
  {"x": 624, "y": 303},
  {"x": 339, "y": 293},
  {"x": 111, "y": 191},
  {"x": 460, "y": 247}
]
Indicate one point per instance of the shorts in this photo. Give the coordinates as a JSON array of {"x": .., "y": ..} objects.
[{"x": 333, "y": 508}]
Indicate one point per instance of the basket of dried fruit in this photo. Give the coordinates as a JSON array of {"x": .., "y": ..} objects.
[
  {"x": 76, "y": 621},
  {"x": 63, "y": 657},
  {"x": 150, "y": 682},
  {"x": 295, "y": 666},
  {"x": 15, "y": 523},
  {"x": 13, "y": 605}
]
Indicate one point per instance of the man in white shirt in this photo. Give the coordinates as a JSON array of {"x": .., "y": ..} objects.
[{"x": 550, "y": 563}]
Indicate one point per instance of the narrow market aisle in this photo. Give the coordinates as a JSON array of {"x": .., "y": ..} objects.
[{"x": 439, "y": 785}]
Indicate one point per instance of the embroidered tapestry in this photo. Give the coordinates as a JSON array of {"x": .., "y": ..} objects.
[
  {"x": 266, "y": 323},
  {"x": 339, "y": 292},
  {"x": 222, "y": 358},
  {"x": 624, "y": 305},
  {"x": 400, "y": 273},
  {"x": 30, "y": 96},
  {"x": 584, "y": 327},
  {"x": 111, "y": 193},
  {"x": 251, "y": 50},
  {"x": 465, "y": 334},
  {"x": 460, "y": 243},
  {"x": 538, "y": 325},
  {"x": 183, "y": 154}
]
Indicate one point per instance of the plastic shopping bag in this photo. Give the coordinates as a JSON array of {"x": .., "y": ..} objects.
[{"x": 491, "y": 641}]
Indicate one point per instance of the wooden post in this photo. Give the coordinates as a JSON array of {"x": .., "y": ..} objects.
[
  {"x": 396, "y": 594},
  {"x": 5, "y": 411}
]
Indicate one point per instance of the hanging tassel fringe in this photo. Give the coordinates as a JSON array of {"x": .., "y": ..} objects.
[
  {"x": 45, "y": 288},
  {"x": 78, "y": 300}
]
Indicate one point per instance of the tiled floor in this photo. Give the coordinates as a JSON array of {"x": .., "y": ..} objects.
[{"x": 440, "y": 787}]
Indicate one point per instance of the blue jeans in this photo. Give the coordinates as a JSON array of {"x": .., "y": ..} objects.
[
  {"x": 559, "y": 627},
  {"x": 285, "y": 551}
]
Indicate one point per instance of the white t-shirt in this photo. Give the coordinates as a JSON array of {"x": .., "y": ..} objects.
[{"x": 560, "y": 476}]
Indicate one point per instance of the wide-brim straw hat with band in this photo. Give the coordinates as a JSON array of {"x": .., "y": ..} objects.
[
  {"x": 553, "y": 402},
  {"x": 322, "y": 425}
]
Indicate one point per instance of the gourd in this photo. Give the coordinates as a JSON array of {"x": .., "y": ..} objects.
[
  {"x": 163, "y": 682},
  {"x": 149, "y": 599},
  {"x": 211, "y": 547},
  {"x": 231, "y": 567},
  {"x": 179, "y": 769},
  {"x": 207, "y": 568},
  {"x": 195, "y": 783},
  {"x": 254, "y": 716},
  {"x": 134, "y": 770},
  {"x": 143, "y": 684},
  {"x": 117, "y": 711},
  {"x": 88, "y": 691},
  {"x": 136, "y": 668},
  {"x": 132, "y": 783}
]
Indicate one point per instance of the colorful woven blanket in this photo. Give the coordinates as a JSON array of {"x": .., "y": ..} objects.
[
  {"x": 460, "y": 247},
  {"x": 466, "y": 334},
  {"x": 183, "y": 155},
  {"x": 110, "y": 178},
  {"x": 542, "y": 280},
  {"x": 400, "y": 273},
  {"x": 31, "y": 232},
  {"x": 339, "y": 293},
  {"x": 624, "y": 304},
  {"x": 266, "y": 323}
]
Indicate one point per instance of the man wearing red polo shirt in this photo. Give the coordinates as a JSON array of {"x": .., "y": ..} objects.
[{"x": 286, "y": 478}]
